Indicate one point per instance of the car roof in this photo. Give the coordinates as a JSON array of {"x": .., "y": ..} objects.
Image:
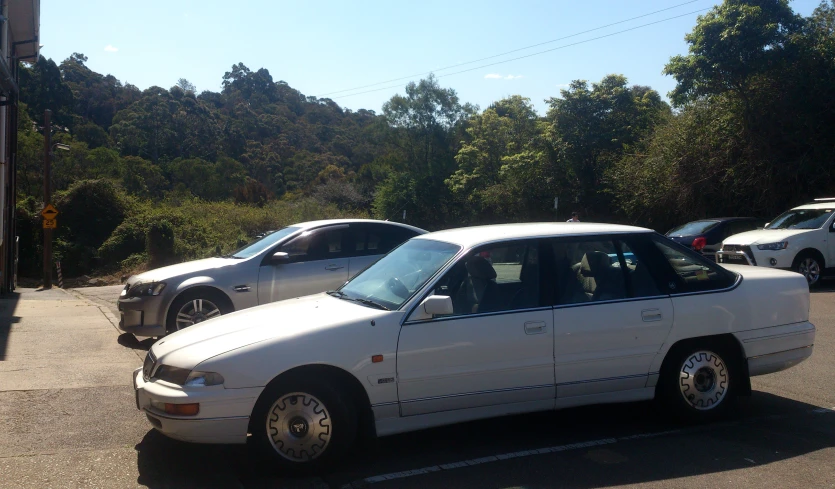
[
  {"x": 817, "y": 205},
  {"x": 473, "y": 236},
  {"x": 331, "y": 222}
]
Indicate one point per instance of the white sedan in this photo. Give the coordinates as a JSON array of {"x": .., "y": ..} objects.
[{"x": 473, "y": 323}]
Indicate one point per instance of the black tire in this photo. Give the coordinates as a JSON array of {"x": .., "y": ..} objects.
[
  {"x": 286, "y": 404},
  {"x": 810, "y": 265},
  {"x": 216, "y": 298},
  {"x": 699, "y": 381}
]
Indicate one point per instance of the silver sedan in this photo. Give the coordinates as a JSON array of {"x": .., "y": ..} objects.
[{"x": 298, "y": 260}]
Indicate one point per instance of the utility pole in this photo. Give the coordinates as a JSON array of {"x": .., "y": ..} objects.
[{"x": 47, "y": 198}]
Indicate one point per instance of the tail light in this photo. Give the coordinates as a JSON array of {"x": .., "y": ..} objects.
[{"x": 699, "y": 243}]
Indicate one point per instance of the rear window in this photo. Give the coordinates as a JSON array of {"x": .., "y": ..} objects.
[
  {"x": 692, "y": 271},
  {"x": 693, "y": 228}
]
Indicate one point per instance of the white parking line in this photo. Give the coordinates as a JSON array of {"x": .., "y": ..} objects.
[{"x": 563, "y": 448}]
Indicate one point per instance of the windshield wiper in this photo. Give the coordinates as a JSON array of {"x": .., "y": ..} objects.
[
  {"x": 342, "y": 295},
  {"x": 371, "y": 303}
]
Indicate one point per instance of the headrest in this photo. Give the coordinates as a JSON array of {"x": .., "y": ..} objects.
[
  {"x": 594, "y": 263},
  {"x": 479, "y": 267}
]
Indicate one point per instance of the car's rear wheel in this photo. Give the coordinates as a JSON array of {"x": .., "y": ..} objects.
[
  {"x": 193, "y": 307},
  {"x": 302, "y": 426},
  {"x": 810, "y": 266},
  {"x": 698, "y": 382}
]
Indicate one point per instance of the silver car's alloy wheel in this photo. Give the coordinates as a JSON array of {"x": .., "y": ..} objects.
[
  {"x": 299, "y": 427},
  {"x": 810, "y": 269},
  {"x": 703, "y": 380},
  {"x": 196, "y": 311}
]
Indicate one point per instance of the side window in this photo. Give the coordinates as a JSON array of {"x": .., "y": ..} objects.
[
  {"x": 377, "y": 239},
  {"x": 385, "y": 238},
  {"x": 639, "y": 280},
  {"x": 588, "y": 271},
  {"x": 693, "y": 272},
  {"x": 319, "y": 245},
  {"x": 494, "y": 278}
]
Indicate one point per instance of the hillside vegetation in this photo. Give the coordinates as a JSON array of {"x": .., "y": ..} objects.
[{"x": 159, "y": 175}]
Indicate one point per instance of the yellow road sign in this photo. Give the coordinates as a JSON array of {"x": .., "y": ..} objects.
[
  {"x": 50, "y": 223},
  {"x": 49, "y": 212}
]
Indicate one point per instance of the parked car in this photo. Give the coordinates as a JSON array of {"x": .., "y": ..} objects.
[
  {"x": 706, "y": 235},
  {"x": 434, "y": 333},
  {"x": 801, "y": 239},
  {"x": 291, "y": 262}
]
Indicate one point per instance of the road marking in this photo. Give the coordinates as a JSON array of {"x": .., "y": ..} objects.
[{"x": 571, "y": 446}]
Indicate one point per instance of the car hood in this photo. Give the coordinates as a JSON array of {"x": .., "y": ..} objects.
[
  {"x": 278, "y": 321},
  {"x": 180, "y": 269},
  {"x": 761, "y": 236}
]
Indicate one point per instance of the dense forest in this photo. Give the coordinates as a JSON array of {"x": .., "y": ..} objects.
[{"x": 161, "y": 174}]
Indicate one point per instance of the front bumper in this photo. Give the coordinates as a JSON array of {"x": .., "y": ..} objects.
[
  {"x": 223, "y": 417},
  {"x": 752, "y": 256},
  {"x": 142, "y": 316}
]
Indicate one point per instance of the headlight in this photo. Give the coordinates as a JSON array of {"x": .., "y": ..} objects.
[
  {"x": 147, "y": 289},
  {"x": 773, "y": 246},
  {"x": 186, "y": 377},
  {"x": 203, "y": 379},
  {"x": 175, "y": 375}
]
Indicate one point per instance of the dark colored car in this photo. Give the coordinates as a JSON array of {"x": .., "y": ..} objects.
[{"x": 706, "y": 235}]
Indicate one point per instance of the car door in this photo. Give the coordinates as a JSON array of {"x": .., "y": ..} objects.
[
  {"x": 371, "y": 241},
  {"x": 316, "y": 262},
  {"x": 611, "y": 317},
  {"x": 495, "y": 349}
]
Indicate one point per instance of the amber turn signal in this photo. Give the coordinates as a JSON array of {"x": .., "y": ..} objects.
[
  {"x": 376, "y": 359},
  {"x": 182, "y": 409}
]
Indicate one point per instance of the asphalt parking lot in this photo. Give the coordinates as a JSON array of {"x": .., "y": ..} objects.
[{"x": 783, "y": 436}]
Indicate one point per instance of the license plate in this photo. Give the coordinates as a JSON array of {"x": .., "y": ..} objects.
[{"x": 735, "y": 257}]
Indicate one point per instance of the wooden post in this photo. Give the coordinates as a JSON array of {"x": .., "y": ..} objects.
[{"x": 47, "y": 198}]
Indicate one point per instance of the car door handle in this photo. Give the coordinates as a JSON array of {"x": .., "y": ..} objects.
[
  {"x": 333, "y": 267},
  {"x": 534, "y": 327},
  {"x": 650, "y": 315}
]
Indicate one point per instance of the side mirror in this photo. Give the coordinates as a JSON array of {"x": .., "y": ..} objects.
[
  {"x": 279, "y": 257},
  {"x": 832, "y": 227},
  {"x": 437, "y": 305}
]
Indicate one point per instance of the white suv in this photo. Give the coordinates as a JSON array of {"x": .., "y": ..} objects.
[{"x": 801, "y": 239}]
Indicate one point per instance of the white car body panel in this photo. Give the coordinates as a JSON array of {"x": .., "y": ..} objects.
[
  {"x": 477, "y": 360},
  {"x": 454, "y": 369}
]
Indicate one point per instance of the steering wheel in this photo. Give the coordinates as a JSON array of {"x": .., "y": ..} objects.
[{"x": 397, "y": 288}]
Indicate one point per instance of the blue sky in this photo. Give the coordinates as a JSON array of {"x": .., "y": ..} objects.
[{"x": 320, "y": 47}]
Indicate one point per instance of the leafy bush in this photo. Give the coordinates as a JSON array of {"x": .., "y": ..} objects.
[{"x": 160, "y": 243}]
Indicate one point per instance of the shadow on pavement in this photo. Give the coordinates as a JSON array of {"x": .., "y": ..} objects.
[
  {"x": 8, "y": 305},
  {"x": 826, "y": 285},
  {"x": 130, "y": 341},
  {"x": 167, "y": 463}
]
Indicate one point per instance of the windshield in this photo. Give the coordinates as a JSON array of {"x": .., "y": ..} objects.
[
  {"x": 693, "y": 228},
  {"x": 398, "y": 275},
  {"x": 262, "y": 244},
  {"x": 801, "y": 219}
]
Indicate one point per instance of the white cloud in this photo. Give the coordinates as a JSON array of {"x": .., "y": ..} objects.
[
  {"x": 497, "y": 76},
  {"x": 110, "y": 49},
  {"x": 561, "y": 85}
]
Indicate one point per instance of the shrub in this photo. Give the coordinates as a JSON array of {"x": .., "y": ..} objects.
[{"x": 160, "y": 244}]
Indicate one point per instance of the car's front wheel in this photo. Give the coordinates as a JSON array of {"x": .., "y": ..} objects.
[
  {"x": 193, "y": 307},
  {"x": 808, "y": 265},
  {"x": 302, "y": 426},
  {"x": 698, "y": 382}
]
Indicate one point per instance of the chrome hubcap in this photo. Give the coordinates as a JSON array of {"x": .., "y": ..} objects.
[
  {"x": 196, "y": 311},
  {"x": 703, "y": 380},
  {"x": 299, "y": 427},
  {"x": 810, "y": 269}
]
